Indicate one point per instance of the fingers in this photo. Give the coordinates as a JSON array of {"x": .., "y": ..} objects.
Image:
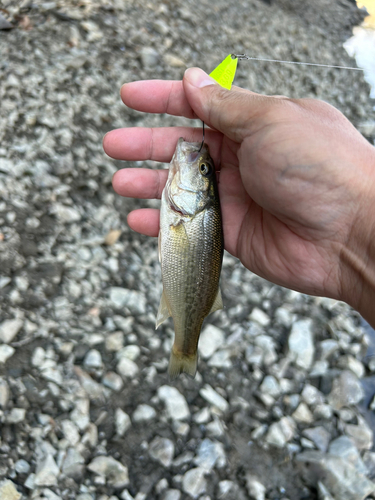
[
  {"x": 145, "y": 221},
  {"x": 158, "y": 144},
  {"x": 140, "y": 182},
  {"x": 235, "y": 113},
  {"x": 157, "y": 96}
]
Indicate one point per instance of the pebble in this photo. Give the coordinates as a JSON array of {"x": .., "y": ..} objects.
[
  {"x": 341, "y": 479},
  {"x": 21, "y": 466},
  {"x": 114, "y": 341},
  {"x": 361, "y": 434},
  {"x": 46, "y": 472},
  {"x": 70, "y": 432},
  {"x": 93, "y": 359},
  {"x": 303, "y": 415},
  {"x": 80, "y": 415},
  {"x": 301, "y": 343},
  {"x": 16, "y": 416},
  {"x": 227, "y": 490},
  {"x": 259, "y": 317},
  {"x": 323, "y": 411},
  {"x": 9, "y": 329},
  {"x": 116, "y": 473},
  {"x": 319, "y": 436},
  {"x": 130, "y": 352},
  {"x": 73, "y": 464},
  {"x": 210, "y": 454},
  {"x": 122, "y": 422},
  {"x": 144, "y": 413},
  {"x": 194, "y": 482},
  {"x": 210, "y": 340},
  {"x": 346, "y": 390},
  {"x": 122, "y": 297},
  {"x": 311, "y": 395},
  {"x": 162, "y": 450},
  {"x": 270, "y": 386},
  {"x": 149, "y": 57},
  {"x": 175, "y": 403},
  {"x": 214, "y": 398},
  {"x": 344, "y": 448},
  {"x": 127, "y": 368},
  {"x": 161, "y": 27},
  {"x": 172, "y": 494},
  {"x": 4, "y": 393},
  {"x": 221, "y": 359},
  {"x": 6, "y": 352},
  {"x": 279, "y": 433},
  {"x": 113, "y": 381},
  {"x": 255, "y": 488},
  {"x": 8, "y": 491}
]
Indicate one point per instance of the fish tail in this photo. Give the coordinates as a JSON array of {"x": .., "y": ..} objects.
[{"x": 182, "y": 363}]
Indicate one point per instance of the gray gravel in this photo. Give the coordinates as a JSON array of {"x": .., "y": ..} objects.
[{"x": 286, "y": 382}]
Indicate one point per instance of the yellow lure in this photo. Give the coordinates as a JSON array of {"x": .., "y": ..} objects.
[{"x": 225, "y": 72}]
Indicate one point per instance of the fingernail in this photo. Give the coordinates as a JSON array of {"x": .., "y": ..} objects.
[{"x": 198, "y": 77}]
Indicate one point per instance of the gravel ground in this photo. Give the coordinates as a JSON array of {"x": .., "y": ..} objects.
[{"x": 282, "y": 406}]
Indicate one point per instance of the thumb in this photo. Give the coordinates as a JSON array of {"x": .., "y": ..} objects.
[{"x": 229, "y": 111}]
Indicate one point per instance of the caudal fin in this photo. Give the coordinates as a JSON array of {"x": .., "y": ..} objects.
[{"x": 182, "y": 363}]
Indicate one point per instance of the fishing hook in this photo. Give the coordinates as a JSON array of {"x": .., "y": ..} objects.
[{"x": 199, "y": 150}]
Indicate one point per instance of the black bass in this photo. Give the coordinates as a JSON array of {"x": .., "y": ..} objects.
[{"x": 190, "y": 251}]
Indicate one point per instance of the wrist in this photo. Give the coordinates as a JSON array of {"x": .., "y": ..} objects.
[{"x": 357, "y": 254}]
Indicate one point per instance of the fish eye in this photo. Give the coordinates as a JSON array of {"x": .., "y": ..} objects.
[{"x": 205, "y": 169}]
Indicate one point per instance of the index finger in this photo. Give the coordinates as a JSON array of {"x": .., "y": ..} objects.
[{"x": 157, "y": 96}]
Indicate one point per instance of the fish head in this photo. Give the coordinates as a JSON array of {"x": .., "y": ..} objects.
[{"x": 192, "y": 180}]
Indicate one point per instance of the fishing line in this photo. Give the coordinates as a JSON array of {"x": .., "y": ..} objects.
[
  {"x": 250, "y": 58},
  {"x": 199, "y": 150}
]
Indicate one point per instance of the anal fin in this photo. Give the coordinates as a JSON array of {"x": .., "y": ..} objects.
[
  {"x": 218, "y": 303},
  {"x": 163, "y": 311}
]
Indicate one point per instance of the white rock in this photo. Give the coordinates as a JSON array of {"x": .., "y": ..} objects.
[
  {"x": 115, "y": 473},
  {"x": 46, "y": 472},
  {"x": 113, "y": 381},
  {"x": 175, "y": 403},
  {"x": 127, "y": 368},
  {"x": 93, "y": 359},
  {"x": 9, "y": 329},
  {"x": 70, "y": 432},
  {"x": 21, "y": 466},
  {"x": 255, "y": 488},
  {"x": 214, "y": 398},
  {"x": 8, "y": 491},
  {"x": 81, "y": 413},
  {"x": 114, "y": 341},
  {"x": 221, "y": 359},
  {"x": 210, "y": 454},
  {"x": 270, "y": 386},
  {"x": 149, "y": 57},
  {"x": 66, "y": 214},
  {"x": 346, "y": 390},
  {"x": 143, "y": 413},
  {"x": 38, "y": 356},
  {"x": 172, "y": 494},
  {"x": 52, "y": 375},
  {"x": 193, "y": 482},
  {"x": 122, "y": 422},
  {"x": 301, "y": 344},
  {"x": 6, "y": 352},
  {"x": 259, "y": 316},
  {"x": 284, "y": 316},
  {"x": 130, "y": 352},
  {"x": 275, "y": 436},
  {"x": 122, "y": 297},
  {"x": 210, "y": 340},
  {"x": 311, "y": 395},
  {"x": 303, "y": 415},
  {"x": 4, "y": 393},
  {"x": 162, "y": 450},
  {"x": 16, "y": 415},
  {"x": 73, "y": 463}
]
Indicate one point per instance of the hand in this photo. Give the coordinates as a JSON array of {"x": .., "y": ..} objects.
[{"x": 296, "y": 180}]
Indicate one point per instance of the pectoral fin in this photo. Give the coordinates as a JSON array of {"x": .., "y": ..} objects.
[
  {"x": 218, "y": 304},
  {"x": 163, "y": 311}
]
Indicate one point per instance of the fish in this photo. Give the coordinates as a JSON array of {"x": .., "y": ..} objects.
[{"x": 191, "y": 247}]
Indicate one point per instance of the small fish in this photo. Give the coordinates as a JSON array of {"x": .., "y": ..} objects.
[{"x": 190, "y": 251}]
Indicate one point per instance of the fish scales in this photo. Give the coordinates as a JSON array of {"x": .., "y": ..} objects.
[{"x": 190, "y": 251}]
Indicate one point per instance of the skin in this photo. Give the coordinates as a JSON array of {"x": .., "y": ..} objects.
[{"x": 296, "y": 182}]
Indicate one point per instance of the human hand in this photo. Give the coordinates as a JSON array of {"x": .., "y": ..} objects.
[{"x": 296, "y": 180}]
